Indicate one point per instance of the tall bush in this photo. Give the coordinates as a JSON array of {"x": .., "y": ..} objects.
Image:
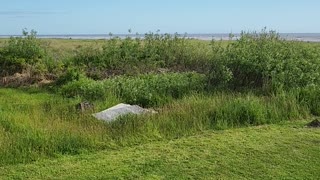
[
  {"x": 264, "y": 60},
  {"x": 21, "y": 54}
]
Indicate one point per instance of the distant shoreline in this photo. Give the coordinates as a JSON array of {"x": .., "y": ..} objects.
[{"x": 309, "y": 37}]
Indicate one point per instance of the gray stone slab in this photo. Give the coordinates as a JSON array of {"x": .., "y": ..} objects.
[{"x": 114, "y": 112}]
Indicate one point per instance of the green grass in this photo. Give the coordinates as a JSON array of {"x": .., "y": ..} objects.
[
  {"x": 213, "y": 126},
  {"x": 36, "y": 124},
  {"x": 283, "y": 151}
]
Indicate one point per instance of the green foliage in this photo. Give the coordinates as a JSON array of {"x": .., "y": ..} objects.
[
  {"x": 217, "y": 72},
  {"x": 310, "y": 96},
  {"x": 25, "y": 144},
  {"x": 238, "y": 112},
  {"x": 252, "y": 110},
  {"x": 84, "y": 88},
  {"x": 155, "y": 89},
  {"x": 89, "y": 59},
  {"x": 133, "y": 56},
  {"x": 145, "y": 90},
  {"x": 283, "y": 151},
  {"x": 71, "y": 74},
  {"x": 34, "y": 125},
  {"x": 22, "y": 53},
  {"x": 255, "y": 61},
  {"x": 264, "y": 60}
]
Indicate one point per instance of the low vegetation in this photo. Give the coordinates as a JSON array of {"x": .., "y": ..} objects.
[
  {"x": 146, "y": 90},
  {"x": 282, "y": 151},
  {"x": 195, "y": 87}
]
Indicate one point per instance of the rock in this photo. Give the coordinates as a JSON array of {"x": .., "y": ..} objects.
[
  {"x": 315, "y": 123},
  {"x": 84, "y": 106},
  {"x": 163, "y": 70},
  {"x": 114, "y": 112}
]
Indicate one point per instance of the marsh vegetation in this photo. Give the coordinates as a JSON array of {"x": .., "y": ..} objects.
[{"x": 195, "y": 86}]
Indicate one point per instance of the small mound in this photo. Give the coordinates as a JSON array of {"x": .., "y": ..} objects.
[{"x": 315, "y": 123}]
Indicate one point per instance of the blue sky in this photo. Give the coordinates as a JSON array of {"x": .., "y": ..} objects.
[{"x": 191, "y": 16}]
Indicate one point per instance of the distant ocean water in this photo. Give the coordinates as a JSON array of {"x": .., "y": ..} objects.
[{"x": 311, "y": 37}]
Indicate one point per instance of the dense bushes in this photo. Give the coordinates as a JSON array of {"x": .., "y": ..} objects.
[
  {"x": 133, "y": 56},
  {"x": 155, "y": 89},
  {"x": 264, "y": 60},
  {"x": 84, "y": 88},
  {"x": 145, "y": 90},
  {"x": 259, "y": 61},
  {"x": 22, "y": 54},
  {"x": 256, "y": 60}
]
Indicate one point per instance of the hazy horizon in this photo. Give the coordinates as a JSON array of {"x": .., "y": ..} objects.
[
  {"x": 142, "y": 34},
  {"x": 309, "y": 37}
]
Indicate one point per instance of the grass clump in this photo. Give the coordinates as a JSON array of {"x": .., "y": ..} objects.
[
  {"x": 145, "y": 90},
  {"x": 310, "y": 97},
  {"x": 238, "y": 112}
]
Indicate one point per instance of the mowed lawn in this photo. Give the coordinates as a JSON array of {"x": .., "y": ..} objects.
[{"x": 282, "y": 151}]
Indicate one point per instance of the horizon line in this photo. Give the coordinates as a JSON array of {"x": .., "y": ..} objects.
[{"x": 135, "y": 34}]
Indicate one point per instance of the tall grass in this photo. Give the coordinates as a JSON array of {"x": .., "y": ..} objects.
[
  {"x": 146, "y": 90},
  {"x": 37, "y": 125},
  {"x": 41, "y": 125}
]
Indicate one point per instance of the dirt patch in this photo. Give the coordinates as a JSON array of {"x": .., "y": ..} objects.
[
  {"x": 314, "y": 124},
  {"x": 23, "y": 79}
]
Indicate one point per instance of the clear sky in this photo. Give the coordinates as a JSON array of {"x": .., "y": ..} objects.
[{"x": 191, "y": 16}]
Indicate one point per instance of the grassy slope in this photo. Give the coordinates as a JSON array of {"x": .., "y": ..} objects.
[{"x": 275, "y": 151}]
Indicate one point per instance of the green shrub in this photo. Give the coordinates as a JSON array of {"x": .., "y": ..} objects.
[
  {"x": 132, "y": 56},
  {"x": 22, "y": 53},
  {"x": 155, "y": 89},
  {"x": 264, "y": 60},
  {"x": 84, "y": 88},
  {"x": 145, "y": 90},
  {"x": 216, "y": 70},
  {"x": 71, "y": 74}
]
